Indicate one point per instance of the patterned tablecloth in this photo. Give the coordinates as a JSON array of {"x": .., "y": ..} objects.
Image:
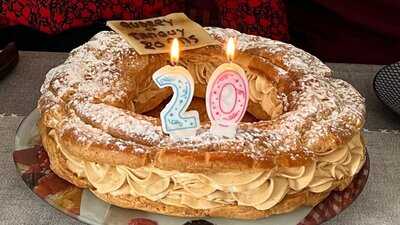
[{"x": 378, "y": 204}]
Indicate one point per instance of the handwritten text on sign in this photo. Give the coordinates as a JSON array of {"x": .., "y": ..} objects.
[{"x": 153, "y": 36}]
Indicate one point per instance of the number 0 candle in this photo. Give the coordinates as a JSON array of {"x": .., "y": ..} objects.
[
  {"x": 227, "y": 95},
  {"x": 174, "y": 118}
]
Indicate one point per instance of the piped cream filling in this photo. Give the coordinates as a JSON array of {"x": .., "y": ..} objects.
[{"x": 261, "y": 190}]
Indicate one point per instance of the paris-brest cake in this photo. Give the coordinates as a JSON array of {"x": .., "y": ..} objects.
[{"x": 301, "y": 140}]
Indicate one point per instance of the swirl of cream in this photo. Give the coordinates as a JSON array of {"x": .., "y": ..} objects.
[
  {"x": 260, "y": 189},
  {"x": 263, "y": 92},
  {"x": 255, "y": 95},
  {"x": 280, "y": 188},
  {"x": 144, "y": 182},
  {"x": 74, "y": 164},
  {"x": 336, "y": 164},
  {"x": 104, "y": 178},
  {"x": 299, "y": 177},
  {"x": 200, "y": 67},
  {"x": 201, "y": 71}
]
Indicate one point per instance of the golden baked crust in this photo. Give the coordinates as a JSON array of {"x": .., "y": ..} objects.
[
  {"x": 93, "y": 106},
  {"x": 93, "y": 102},
  {"x": 288, "y": 204}
]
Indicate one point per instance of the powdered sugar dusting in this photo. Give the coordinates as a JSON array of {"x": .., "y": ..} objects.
[
  {"x": 87, "y": 135},
  {"x": 119, "y": 122},
  {"x": 97, "y": 84}
]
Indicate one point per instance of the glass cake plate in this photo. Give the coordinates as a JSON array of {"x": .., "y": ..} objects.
[{"x": 33, "y": 165}]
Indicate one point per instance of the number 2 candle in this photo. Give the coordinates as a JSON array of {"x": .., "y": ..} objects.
[
  {"x": 174, "y": 118},
  {"x": 227, "y": 95}
]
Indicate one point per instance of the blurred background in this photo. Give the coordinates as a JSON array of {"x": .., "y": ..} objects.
[{"x": 357, "y": 31}]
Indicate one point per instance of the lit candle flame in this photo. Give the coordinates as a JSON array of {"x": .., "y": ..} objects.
[
  {"x": 174, "y": 53},
  {"x": 230, "y": 49}
]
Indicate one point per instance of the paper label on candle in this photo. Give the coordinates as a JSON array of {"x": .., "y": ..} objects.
[{"x": 154, "y": 35}]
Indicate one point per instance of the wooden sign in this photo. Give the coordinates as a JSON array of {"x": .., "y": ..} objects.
[{"x": 153, "y": 36}]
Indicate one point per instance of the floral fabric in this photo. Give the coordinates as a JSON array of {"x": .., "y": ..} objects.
[{"x": 260, "y": 17}]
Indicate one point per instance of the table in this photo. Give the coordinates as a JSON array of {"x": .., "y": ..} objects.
[{"x": 19, "y": 91}]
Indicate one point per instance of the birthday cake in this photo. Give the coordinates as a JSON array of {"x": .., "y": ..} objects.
[{"x": 300, "y": 139}]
